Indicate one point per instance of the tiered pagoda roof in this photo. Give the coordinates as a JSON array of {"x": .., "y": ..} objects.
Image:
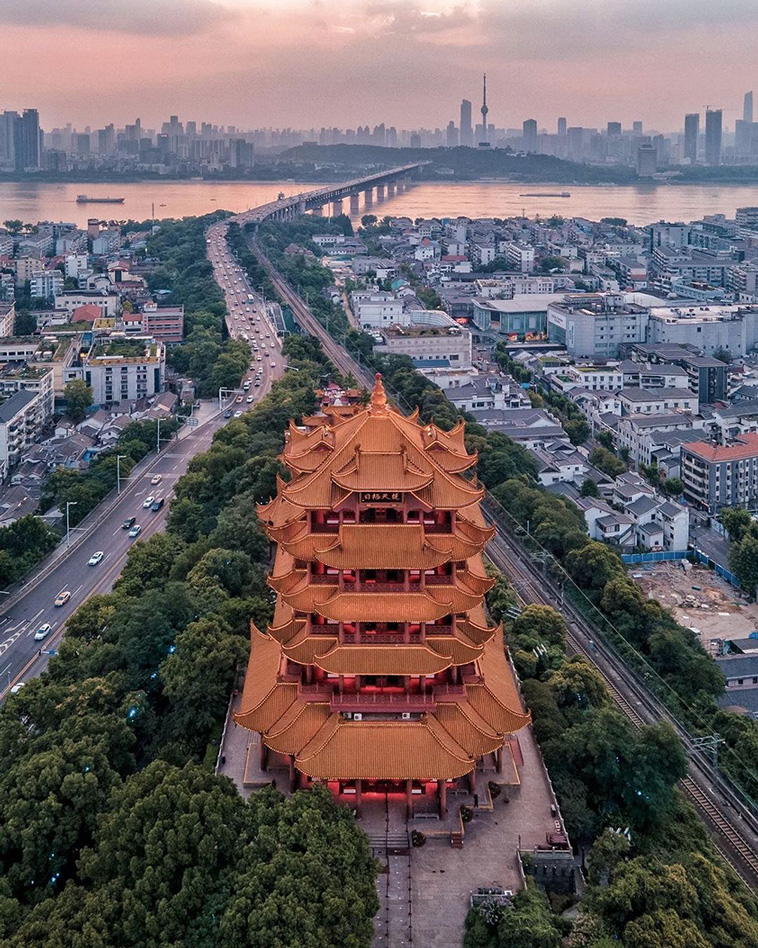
[{"x": 380, "y": 584}]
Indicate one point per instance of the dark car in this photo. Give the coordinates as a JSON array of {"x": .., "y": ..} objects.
[
  {"x": 228, "y": 413},
  {"x": 128, "y": 523},
  {"x": 157, "y": 504}
]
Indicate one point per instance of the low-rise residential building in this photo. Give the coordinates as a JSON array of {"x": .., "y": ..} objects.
[
  {"x": 164, "y": 323},
  {"x": 376, "y": 309},
  {"x": 30, "y": 377},
  {"x": 633, "y": 432},
  {"x": 590, "y": 376},
  {"x": 659, "y": 401},
  {"x": 487, "y": 393},
  {"x": 716, "y": 476}
]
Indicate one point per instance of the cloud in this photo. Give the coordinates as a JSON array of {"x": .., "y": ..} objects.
[
  {"x": 138, "y": 17},
  {"x": 398, "y": 17}
]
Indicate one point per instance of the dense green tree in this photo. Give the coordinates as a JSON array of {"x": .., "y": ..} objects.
[
  {"x": 589, "y": 488},
  {"x": 78, "y": 397},
  {"x": 578, "y": 430},
  {"x": 541, "y": 624},
  {"x": 737, "y": 521},
  {"x": 607, "y": 462}
]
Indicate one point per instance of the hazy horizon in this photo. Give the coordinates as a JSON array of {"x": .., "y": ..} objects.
[{"x": 304, "y": 63}]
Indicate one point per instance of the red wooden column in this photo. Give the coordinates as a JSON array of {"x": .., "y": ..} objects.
[
  {"x": 442, "y": 794},
  {"x": 358, "y": 788},
  {"x": 293, "y": 773},
  {"x": 408, "y": 798}
]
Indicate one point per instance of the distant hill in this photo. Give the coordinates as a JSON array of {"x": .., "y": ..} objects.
[
  {"x": 459, "y": 163},
  {"x": 474, "y": 164}
]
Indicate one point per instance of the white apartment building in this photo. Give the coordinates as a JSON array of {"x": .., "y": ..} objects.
[
  {"x": 520, "y": 257},
  {"x": 375, "y": 310},
  {"x": 21, "y": 421},
  {"x": 710, "y": 328},
  {"x": 70, "y": 300},
  {"x": 7, "y": 318},
  {"x": 38, "y": 379},
  {"x": 594, "y": 377},
  {"x": 635, "y": 432},
  {"x": 46, "y": 284},
  {"x": 76, "y": 263},
  {"x": 445, "y": 345},
  {"x": 117, "y": 378}
]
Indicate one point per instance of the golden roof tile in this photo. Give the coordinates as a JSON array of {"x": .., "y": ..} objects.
[
  {"x": 383, "y": 750},
  {"x": 468, "y": 728},
  {"x": 380, "y": 607},
  {"x": 397, "y": 659},
  {"x": 297, "y": 726}
]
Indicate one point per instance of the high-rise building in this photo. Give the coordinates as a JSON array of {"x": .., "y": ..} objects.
[
  {"x": 636, "y": 128},
  {"x": 562, "y": 126},
  {"x": 713, "y": 119},
  {"x": 647, "y": 162},
  {"x": 529, "y": 135},
  {"x": 691, "y": 135},
  {"x": 467, "y": 130},
  {"x": 747, "y": 107},
  {"x": 484, "y": 110},
  {"x": 379, "y": 670},
  {"x": 8, "y": 131},
  {"x": 613, "y": 128},
  {"x": 27, "y": 144},
  {"x": 451, "y": 135}
]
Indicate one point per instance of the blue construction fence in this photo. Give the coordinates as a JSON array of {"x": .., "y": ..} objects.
[{"x": 697, "y": 555}]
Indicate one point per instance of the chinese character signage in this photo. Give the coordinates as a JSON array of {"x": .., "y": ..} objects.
[{"x": 381, "y": 497}]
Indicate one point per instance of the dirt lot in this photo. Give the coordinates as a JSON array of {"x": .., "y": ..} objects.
[{"x": 716, "y": 609}]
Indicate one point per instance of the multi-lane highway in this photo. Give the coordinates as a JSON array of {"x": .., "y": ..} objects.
[{"x": 33, "y": 607}]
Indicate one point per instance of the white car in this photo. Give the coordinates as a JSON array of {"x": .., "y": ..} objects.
[
  {"x": 148, "y": 501},
  {"x": 95, "y": 558},
  {"x": 16, "y": 688},
  {"x": 135, "y": 531},
  {"x": 249, "y": 399},
  {"x": 42, "y": 632},
  {"x": 238, "y": 414}
]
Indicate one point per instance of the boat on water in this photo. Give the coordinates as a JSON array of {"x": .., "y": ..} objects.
[
  {"x": 547, "y": 194},
  {"x": 86, "y": 199}
]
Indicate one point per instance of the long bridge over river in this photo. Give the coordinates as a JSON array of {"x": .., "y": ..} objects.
[{"x": 382, "y": 184}]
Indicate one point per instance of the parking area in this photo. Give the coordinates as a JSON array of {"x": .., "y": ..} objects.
[{"x": 699, "y": 599}]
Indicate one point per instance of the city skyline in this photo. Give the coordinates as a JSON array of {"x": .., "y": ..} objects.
[{"x": 235, "y": 62}]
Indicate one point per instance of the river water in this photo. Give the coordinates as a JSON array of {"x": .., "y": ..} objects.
[{"x": 37, "y": 201}]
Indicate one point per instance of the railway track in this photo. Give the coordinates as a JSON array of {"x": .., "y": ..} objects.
[{"x": 737, "y": 842}]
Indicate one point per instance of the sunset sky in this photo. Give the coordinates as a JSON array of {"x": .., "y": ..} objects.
[{"x": 404, "y": 62}]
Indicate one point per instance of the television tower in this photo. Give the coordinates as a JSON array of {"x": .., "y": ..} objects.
[{"x": 484, "y": 110}]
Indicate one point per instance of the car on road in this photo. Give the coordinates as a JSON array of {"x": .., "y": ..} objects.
[
  {"x": 157, "y": 504},
  {"x": 95, "y": 558},
  {"x": 135, "y": 531},
  {"x": 257, "y": 384},
  {"x": 239, "y": 399},
  {"x": 228, "y": 413},
  {"x": 273, "y": 365},
  {"x": 148, "y": 502},
  {"x": 42, "y": 632},
  {"x": 62, "y": 598},
  {"x": 156, "y": 478},
  {"x": 238, "y": 414},
  {"x": 249, "y": 399},
  {"x": 129, "y": 522}
]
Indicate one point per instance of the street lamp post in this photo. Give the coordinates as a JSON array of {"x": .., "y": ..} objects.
[
  {"x": 69, "y": 504},
  {"x": 119, "y": 459}
]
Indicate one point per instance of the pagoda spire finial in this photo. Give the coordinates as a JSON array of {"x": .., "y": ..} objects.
[{"x": 378, "y": 395}]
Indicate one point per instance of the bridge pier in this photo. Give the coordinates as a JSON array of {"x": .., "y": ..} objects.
[
  {"x": 355, "y": 204},
  {"x": 301, "y": 208},
  {"x": 379, "y": 193},
  {"x": 317, "y": 211},
  {"x": 336, "y": 208},
  {"x": 391, "y": 189},
  {"x": 368, "y": 197}
]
